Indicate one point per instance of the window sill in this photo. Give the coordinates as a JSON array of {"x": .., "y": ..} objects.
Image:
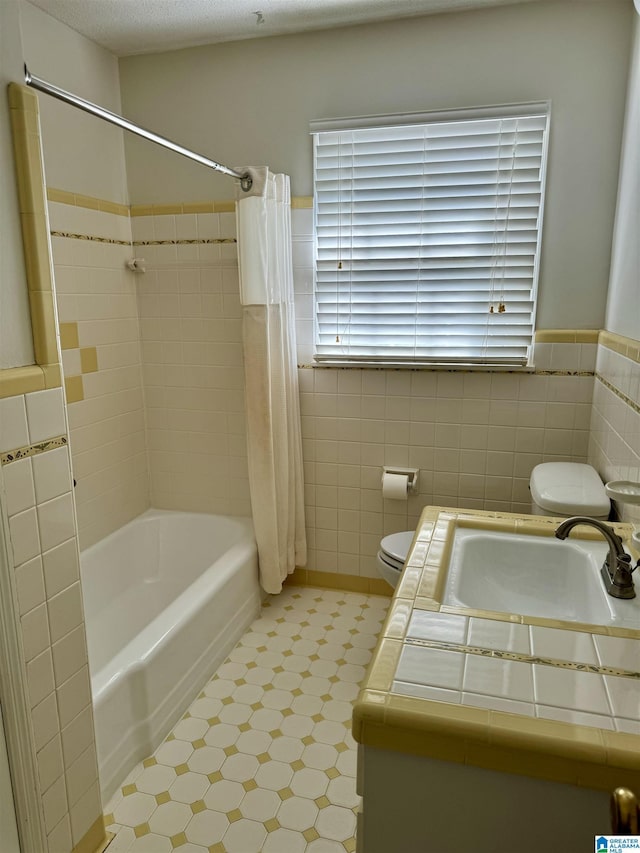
[{"x": 433, "y": 367}]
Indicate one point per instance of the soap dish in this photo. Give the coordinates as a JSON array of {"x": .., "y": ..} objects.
[{"x": 624, "y": 491}]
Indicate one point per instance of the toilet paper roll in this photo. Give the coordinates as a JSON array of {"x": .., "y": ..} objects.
[{"x": 395, "y": 487}]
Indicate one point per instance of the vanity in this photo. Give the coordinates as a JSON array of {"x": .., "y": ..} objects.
[{"x": 502, "y": 704}]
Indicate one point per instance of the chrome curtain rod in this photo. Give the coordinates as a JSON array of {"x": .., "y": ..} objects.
[{"x": 75, "y": 101}]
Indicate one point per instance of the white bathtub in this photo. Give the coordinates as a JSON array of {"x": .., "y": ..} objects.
[{"x": 166, "y": 598}]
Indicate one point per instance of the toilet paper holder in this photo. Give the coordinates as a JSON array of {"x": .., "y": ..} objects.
[{"x": 411, "y": 473}]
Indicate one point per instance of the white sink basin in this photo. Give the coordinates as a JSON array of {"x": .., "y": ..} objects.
[{"x": 534, "y": 576}]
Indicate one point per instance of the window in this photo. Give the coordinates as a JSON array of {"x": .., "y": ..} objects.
[{"x": 428, "y": 236}]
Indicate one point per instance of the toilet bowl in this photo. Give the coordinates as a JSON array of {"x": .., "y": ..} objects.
[
  {"x": 392, "y": 555},
  {"x": 566, "y": 489}
]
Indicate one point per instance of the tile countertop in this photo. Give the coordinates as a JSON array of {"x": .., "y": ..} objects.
[{"x": 518, "y": 694}]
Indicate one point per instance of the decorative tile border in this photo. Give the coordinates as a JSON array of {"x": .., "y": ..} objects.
[
  {"x": 522, "y": 658},
  {"x": 93, "y": 238},
  {"x": 33, "y": 449},
  {"x": 631, "y": 403},
  {"x": 196, "y": 242}
]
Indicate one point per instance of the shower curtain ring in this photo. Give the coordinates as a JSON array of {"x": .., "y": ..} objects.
[{"x": 246, "y": 182}]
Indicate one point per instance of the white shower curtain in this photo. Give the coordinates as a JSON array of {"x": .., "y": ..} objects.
[{"x": 271, "y": 379}]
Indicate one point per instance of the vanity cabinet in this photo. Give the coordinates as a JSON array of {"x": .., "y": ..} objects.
[{"x": 485, "y": 731}]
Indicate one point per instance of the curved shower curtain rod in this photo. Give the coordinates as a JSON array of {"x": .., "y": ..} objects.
[{"x": 245, "y": 178}]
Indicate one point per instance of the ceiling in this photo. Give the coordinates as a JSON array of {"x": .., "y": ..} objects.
[{"x": 127, "y": 27}]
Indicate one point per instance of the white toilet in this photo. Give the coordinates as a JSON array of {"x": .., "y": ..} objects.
[
  {"x": 566, "y": 489},
  {"x": 557, "y": 488},
  {"x": 392, "y": 554}
]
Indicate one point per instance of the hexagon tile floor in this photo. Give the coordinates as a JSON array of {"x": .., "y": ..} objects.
[{"x": 263, "y": 761}]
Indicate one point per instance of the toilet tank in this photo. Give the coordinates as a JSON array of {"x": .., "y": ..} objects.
[{"x": 566, "y": 489}]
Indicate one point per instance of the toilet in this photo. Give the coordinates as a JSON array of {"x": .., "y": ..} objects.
[
  {"x": 557, "y": 488},
  {"x": 566, "y": 489},
  {"x": 392, "y": 554}
]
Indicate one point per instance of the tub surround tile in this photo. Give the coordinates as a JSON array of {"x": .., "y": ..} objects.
[
  {"x": 45, "y": 414},
  {"x": 56, "y": 521},
  {"x": 14, "y": 430},
  {"x": 52, "y": 474},
  {"x": 74, "y": 696},
  {"x": 25, "y": 537},
  {"x": 19, "y": 486}
]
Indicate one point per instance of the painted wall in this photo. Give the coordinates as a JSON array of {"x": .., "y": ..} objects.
[
  {"x": 81, "y": 153},
  {"x": 251, "y": 102},
  {"x": 623, "y": 307},
  {"x": 614, "y": 439},
  {"x": 16, "y": 346}
]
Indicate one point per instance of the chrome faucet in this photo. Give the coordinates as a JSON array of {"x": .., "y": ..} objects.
[{"x": 616, "y": 571}]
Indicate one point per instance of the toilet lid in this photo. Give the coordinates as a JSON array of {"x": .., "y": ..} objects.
[
  {"x": 569, "y": 488},
  {"x": 396, "y": 545}
]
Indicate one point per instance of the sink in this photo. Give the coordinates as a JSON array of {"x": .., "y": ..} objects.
[{"x": 534, "y": 576}]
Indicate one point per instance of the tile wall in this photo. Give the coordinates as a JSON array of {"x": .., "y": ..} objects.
[
  {"x": 36, "y": 481},
  {"x": 100, "y": 340},
  {"x": 474, "y": 436},
  {"x": 190, "y": 326},
  {"x": 614, "y": 445}
]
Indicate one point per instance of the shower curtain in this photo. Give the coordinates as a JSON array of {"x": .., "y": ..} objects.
[{"x": 274, "y": 443}]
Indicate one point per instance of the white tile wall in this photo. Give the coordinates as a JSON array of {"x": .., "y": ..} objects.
[
  {"x": 474, "y": 436},
  {"x": 39, "y": 503},
  {"x": 193, "y": 372},
  {"x": 614, "y": 443},
  {"x": 107, "y": 441}
]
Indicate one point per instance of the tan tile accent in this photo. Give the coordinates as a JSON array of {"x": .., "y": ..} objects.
[
  {"x": 178, "y": 840},
  {"x": 149, "y": 762},
  {"x": 301, "y": 202},
  {"x": 272, "y": 824},
  {"x": 74, "y": 389},
  {"x": 87, "y": 201},
  {"x": 198, "y": 806},
  {"x": 127, "y": 790},
  {"x": 163, "y": 797},
  {"x": 628, "y": 347},
  {"x": 234, "y": 815},
  {"x": 141, "y": 829},
  {"x": 333, "y": 580},
  {"x": 25, "y": 126},
  {"x": 69, "y": 338},
  {"x": 95, "y": 840},
  {"x": 89, "y": 359},
  {"x": 567, "y": 336}
]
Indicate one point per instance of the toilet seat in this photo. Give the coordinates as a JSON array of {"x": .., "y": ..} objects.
[
  {"x": 395, "y": 547},
  {"x": 392, "y": 555}
]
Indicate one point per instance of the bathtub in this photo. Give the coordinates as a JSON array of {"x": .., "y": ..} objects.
[{"x": 166, "y": 598}]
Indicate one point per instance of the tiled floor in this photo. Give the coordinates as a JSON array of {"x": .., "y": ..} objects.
[{"x": 263, "y": 761}]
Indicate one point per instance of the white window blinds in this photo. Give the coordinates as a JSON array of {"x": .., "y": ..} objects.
[{"x": 428, "y": 237}]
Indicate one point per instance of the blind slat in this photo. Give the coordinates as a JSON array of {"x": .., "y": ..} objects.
[{"x": 423, "y": 229}]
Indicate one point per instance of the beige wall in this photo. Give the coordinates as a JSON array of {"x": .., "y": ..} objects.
[
  {"x": 16, "y": 347},
  {"x": 623, "y": 310},
  {"x": 81, "y": 153},
  {"x": 250, "y": 102},
  {"x": 614, "y": 443}
]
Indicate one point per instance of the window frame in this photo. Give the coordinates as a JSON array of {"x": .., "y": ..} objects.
[{"x": 494, "y": 113}]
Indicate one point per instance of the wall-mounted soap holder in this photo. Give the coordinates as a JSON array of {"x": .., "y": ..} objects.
[
  {"x": 624, "y": 491},
  {"x": 410, "y": 473}
]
